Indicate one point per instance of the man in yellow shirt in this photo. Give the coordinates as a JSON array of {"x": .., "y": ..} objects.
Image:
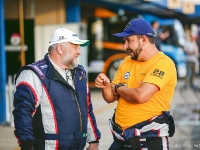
[{"x": 143, "y": 86}]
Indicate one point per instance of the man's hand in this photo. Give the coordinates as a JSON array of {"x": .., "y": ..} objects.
[
  {"x": 102, "y": 81},
  {"x": 93, "y": 146}
]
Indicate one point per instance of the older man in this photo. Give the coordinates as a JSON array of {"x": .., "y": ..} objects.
[{"x": 53, "y": 109}]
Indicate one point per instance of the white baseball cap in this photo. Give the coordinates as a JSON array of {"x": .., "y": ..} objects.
[{"x": 61, "y": 35}]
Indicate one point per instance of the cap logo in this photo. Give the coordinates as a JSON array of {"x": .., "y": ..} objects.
[
  {"x": 150, "y": 34},
  {"x": 74, "y": 35},
  {"x": 61, "y": 37},
  {"x": 128, "y": 25}
]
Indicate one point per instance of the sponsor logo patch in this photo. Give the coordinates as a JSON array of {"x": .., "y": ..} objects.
[
  {"x": 83, "y": 74},
  {"x": 158, "y": 73},
  {"x": 37, "y": 70},
  {"x": 44, "y": 66},
  {"x": 126, "y": 75}
]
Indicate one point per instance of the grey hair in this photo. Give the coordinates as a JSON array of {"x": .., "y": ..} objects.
[{"x": 52, "y": 47}]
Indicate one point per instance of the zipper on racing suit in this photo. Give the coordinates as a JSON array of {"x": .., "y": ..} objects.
[
  {"x": 80, "y": 117},
  {"x": 79, "y": 112}
]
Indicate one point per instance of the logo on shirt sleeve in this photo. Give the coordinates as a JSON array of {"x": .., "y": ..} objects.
[{"x": 158, "y": 73}]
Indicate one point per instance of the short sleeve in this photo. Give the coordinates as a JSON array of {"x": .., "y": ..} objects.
[{"x": 162, "y": 72}]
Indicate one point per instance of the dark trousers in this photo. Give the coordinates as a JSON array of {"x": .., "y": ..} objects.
[{"x": 157, "y": 143}]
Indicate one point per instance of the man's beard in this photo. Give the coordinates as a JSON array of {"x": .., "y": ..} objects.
[
  {"x": 136, "y": 52},
  {"x": 70, "y": 62}
]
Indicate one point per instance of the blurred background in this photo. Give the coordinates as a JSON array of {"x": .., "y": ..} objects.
[{"x": 27, "y": 25}]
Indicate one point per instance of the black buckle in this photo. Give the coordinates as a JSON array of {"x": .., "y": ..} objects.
[{"x": 117, "y": 128}]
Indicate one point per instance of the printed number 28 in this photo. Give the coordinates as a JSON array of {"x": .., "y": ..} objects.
[{"x": 161, "y": 73}]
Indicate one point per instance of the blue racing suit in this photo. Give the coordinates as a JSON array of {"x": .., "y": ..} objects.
[{"x": 49, "y": 114}]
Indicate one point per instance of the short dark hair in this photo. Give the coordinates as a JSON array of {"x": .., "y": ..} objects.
[{"x": 150, "y": 38}]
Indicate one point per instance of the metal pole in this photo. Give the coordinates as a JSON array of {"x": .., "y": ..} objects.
[
  {"x": 2, "y": 65},
  {"x": 21, "y": 24}
]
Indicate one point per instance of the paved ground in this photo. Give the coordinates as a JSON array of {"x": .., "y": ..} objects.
[
  {"x": 185, "y": 109},
  {"x": 186, "y": 112}
]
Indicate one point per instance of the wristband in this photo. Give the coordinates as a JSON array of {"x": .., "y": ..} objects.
[
  {"x": 97, "y": 141},
  {"x": 117, "y": 86}
]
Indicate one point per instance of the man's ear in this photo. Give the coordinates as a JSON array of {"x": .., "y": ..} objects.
[
  {"x": 60, "y": 49},
  {"x": 143, "y": 40}
]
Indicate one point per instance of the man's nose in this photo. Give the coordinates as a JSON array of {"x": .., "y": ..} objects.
[
  {"x": 125, "y": 45},
  {"x": 79, "y": 51}
]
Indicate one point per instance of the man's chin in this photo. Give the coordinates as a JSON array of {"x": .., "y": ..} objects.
[
  {"x": 75, "y": 64},
  {"x": 134, "y": 58}
]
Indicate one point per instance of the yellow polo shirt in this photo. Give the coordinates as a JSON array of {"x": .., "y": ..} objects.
[{"x": 159, "y": 70}]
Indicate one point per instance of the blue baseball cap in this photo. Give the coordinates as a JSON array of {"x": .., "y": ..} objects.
[{"x": 136, "y": 27}]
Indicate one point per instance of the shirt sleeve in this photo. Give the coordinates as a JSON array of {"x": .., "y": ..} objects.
[
  {"x": 93, "y": 133},
  {"x": 161, "y": 72}
]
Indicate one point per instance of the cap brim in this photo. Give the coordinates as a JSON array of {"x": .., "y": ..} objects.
[
  {"x": 81, "y": 42},
  {"x": 122, "y": 34}
]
